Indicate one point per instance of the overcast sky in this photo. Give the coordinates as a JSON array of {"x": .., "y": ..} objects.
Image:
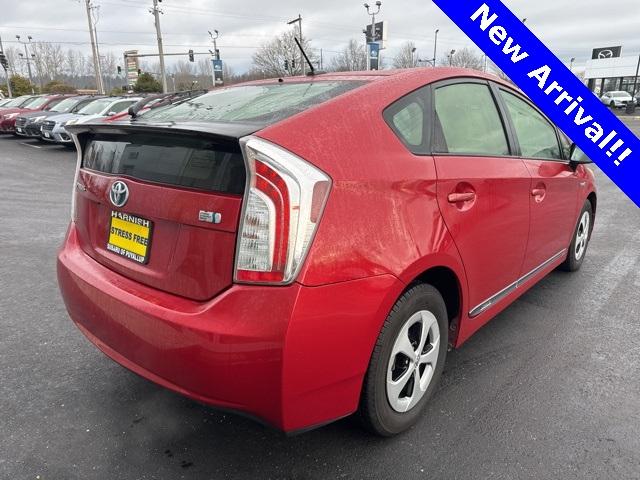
[{"x": 570, "y": 28}]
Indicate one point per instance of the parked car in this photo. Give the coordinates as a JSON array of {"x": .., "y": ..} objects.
[
  {"x": 305, "y": 248},
  {"x": 54, "y": 128},
  {"x": 40, "y": 103},
  {"x": 4, "y": 101},
  {"x": 30, "y": 124},
  {"x": 18, "y": 102},
  {"x": 617, "y": 99},
  {"x": 154, "y": 101}
]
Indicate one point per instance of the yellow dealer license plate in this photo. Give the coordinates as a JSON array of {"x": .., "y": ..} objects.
[{"x": 130, "y": 236}]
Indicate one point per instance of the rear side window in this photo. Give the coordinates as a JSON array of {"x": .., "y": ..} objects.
[
  {"x": 537, "y": 137},
  {"x": 120, "y": 106},
  {"x": 182, "y": 161},
  {"x": 253, "y": 103},
  {"x": 468, "y": 122},
  {"x": 407, "y": 118}
]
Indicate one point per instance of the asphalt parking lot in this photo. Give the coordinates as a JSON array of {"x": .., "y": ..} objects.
[{"x": 549, "y": 389}]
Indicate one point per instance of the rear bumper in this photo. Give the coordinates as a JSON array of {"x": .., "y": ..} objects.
[{"x": 291, "y": 356}]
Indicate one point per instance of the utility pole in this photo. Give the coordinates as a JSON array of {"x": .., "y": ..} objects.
[
  {"x": 299, "y": 22},
  {"x": 5, "y": 65},
  {"x": 94, "y": 49},
  {"x": 27, "y": 58},
  {"x": 373, "y": 30},
  {"x": 435, "y": 47},
  {"x": 156, "y": 15}
]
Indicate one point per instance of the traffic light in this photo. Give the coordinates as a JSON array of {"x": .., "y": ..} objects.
[
  {"x": 119, "y": 69},
  {"x": 293, "y": 64},
  {"x": 139, "y": 71},
  {"x": 286, "y": 64},
  {"x": 191, "y": 55},
  {"x": 3, "y": 61}
]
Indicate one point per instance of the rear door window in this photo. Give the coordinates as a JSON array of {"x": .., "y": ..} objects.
[{"x": 468, "y": 121}]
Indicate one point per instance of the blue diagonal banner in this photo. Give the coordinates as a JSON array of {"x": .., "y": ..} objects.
[{"x": 552, "y": 87}]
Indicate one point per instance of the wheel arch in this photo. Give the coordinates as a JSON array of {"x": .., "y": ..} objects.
[
  {"x": 449, "y": 285},
  {"x": 593, "y": 199}
]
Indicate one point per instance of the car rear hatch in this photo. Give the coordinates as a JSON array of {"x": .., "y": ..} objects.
[{"x": 160, "y": 204}]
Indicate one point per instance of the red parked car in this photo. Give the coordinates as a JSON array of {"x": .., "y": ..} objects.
[
  {"x": 302, "y": 249},
  {"x": 41, "y": 103}
]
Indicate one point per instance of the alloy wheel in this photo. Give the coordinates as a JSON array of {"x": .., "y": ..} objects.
[
  {"x": 413, "y": 361},
  {"x": 582, "y": 236}
]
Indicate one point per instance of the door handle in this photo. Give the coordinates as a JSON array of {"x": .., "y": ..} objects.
[
  {"x": 538, "y": 192},
  {"x": 461, "y": 197}
]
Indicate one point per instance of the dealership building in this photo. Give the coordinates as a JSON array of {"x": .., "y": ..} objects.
[{"x": 609, "y": 70}]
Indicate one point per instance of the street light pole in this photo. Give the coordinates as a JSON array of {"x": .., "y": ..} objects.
[
  {"x": 571, "y": 64},
  {"x": 435, "y": 47},
  {"x": 26, "y": 56},
  {"x": 373, "y": 29},
  {"x": 214, "y": 39},
  {"x": 156, "y": 11}
]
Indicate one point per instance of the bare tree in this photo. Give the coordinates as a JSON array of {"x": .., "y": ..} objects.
[
  {"x": 15, "y": 65},
  {"x": 406, "y": 57},
  {"x": 465, "y": 58},
  {"x": 352, "y": 58},
  {"x": 271, "y": 57}
]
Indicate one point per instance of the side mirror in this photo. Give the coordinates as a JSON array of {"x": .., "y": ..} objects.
[
  {"x": 578, "y": 157},
  {"x": 111, "y": 113}
]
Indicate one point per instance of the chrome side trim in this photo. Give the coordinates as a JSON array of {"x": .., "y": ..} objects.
[{"x": 474, "y": 312}]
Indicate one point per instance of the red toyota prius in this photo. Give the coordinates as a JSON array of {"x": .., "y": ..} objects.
[{"x": 304, "y": 248}]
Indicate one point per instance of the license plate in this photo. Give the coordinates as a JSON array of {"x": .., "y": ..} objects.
[
  {"x": 47, "y": 135},
  {"x": 130, "y": 236}
]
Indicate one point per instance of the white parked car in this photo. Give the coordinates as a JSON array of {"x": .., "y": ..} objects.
[{"x": 617, "y": 99}]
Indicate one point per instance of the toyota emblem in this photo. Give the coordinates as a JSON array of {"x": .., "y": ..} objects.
[{"x": 119, "y": 193}]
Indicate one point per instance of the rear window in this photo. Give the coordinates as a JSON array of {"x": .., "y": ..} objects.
[
  {"x": 182, "y": 161},
  {"x": 253, "y": 103}
]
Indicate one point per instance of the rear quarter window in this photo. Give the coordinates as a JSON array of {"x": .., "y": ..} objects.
[{"x": 407, "y": 117}]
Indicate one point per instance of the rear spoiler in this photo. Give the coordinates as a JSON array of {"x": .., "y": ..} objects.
[{"x": 216, "y": 129}]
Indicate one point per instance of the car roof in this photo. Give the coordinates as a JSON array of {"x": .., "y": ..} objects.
[{"x": 426, "y": 74}]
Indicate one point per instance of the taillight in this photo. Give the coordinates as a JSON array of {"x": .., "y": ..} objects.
[{"x": 283, "y": 204}]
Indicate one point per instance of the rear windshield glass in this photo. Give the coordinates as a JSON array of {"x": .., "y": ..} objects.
[
  {"x": 253, "y": 103},
  {"x": 182, "y": 161}
]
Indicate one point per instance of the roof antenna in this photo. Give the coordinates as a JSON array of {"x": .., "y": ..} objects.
[{"x": 313, "y": 70}]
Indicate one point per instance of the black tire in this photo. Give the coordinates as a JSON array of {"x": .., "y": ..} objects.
[
  {"x": 574, "y": 261},
  {"x": 612, "y": 104},
  {"x": 376, "y": 412}
]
